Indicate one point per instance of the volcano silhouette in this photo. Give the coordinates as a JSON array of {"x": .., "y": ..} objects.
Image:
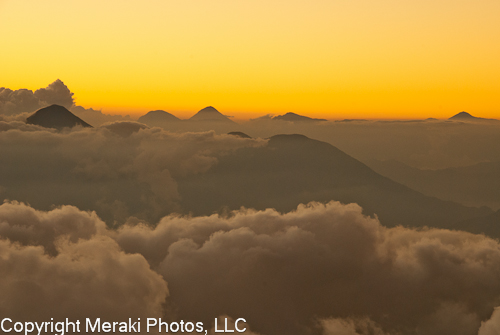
[
  {"x": 159, "y": 118},
  {"x": 210, "y": 114},
  {"x": 294, "y": 169},
  {"x": 292, "y": 117},
  {"x": 464, "y": 116},
  {"x": 57, "y": 117}
]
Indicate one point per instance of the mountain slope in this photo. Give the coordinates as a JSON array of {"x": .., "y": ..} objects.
[
  {"x": 210, "y": 114},
  {"x": 292, "y": 117},
  {"x": 474, "y": 185},
  {"x": 57, "y": 117},
  {"x": 294, "y": 169},
  {"x": 464, "y": 116},
  {"x": 158, "y": 118}
]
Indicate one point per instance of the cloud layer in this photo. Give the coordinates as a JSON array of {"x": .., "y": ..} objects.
[
  {"x": 321, "y": 269},
  {"x": 19, "y": 104},
  {"x": 121, "y": 169},
  {"x": 59, "y": 265},
  {"x": 20, "y": 101}
]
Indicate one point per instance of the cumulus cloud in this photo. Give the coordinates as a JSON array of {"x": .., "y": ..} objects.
[
  {"x": 23, "y": 224},
  {"x": 19, "y": 104},
  {"x": 59, "y": 265},
  {"x": 18, "y": 101},
  {"x": 56, "y": 93},
  {"x": 13, "y": 102},
  {"x": 322, "y": 269},
  {"x": 322, "y": 266}
]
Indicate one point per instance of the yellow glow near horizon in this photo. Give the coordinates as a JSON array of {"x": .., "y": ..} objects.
[{"x": 322, "y": 58}]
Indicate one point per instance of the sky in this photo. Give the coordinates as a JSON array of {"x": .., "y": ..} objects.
[{"x": 331, "y": 59}]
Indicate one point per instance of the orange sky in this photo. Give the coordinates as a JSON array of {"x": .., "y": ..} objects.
[{"x": 322, "y": 58}]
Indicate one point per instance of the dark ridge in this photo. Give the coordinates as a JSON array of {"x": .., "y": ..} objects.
[
  {"x": 57, "y": 117},
  {"x": 487, "y": 225},
  {"x": 158, "y": 116},
  {"x": 294, "y": 169},
  {"x": 292, "y": 117},
  {"x": 352, "y": 120},
  {"x": 210, "y": 114},
  {"x": 289, "y": 138},
  {"x": 463, "y": 116},
  {"x": 239, "y": 134}
]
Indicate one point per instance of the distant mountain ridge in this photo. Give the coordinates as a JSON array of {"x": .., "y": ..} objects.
[
  {"x": 473, "y": 185},
  {"x": 292, "y": 117},
  {"x": 55, "y": 116},
  {"x": 159, "y": 118},
  {"x": 294, "y": 169},
  {"x": 464, "y": 116},
  {"x": 210, "y": 114},
  {"x": 158, "y": 115}
]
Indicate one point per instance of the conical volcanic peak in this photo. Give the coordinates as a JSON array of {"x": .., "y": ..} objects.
[
  {"x": 292, "y": 117},
  {"x": 158, "y": 116},
  {"x": 57, "y": 117},
  {"x": 210, "y": 114},
  {"x": 463, "y": 116}
]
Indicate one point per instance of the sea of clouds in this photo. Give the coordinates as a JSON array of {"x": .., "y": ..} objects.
[
  {"x": 324, "y": 268},
  {"x": 97, "y": 235}
]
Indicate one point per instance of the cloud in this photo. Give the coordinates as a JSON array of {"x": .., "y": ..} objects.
[
  {"x": 120, "y": 170},
  {"x": 338, "y": 326},
  {"x": 56, "y": 93},
  {"x": 87, "y": 276},
  {"x": 19, "y": 104},
  {"x": 322, "y": 269},
  {"x": 492, "y": 326},
  {"x": 22, "y": 224},
  {"x": 18, "y": 101},
  {"x": 293, "y": 272},
  {"x": 18, "y": 125},
  {"x": 124, "y": 128},
  {"x": 96, "y": 117},
  {"x": 13, "y": 102}
]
